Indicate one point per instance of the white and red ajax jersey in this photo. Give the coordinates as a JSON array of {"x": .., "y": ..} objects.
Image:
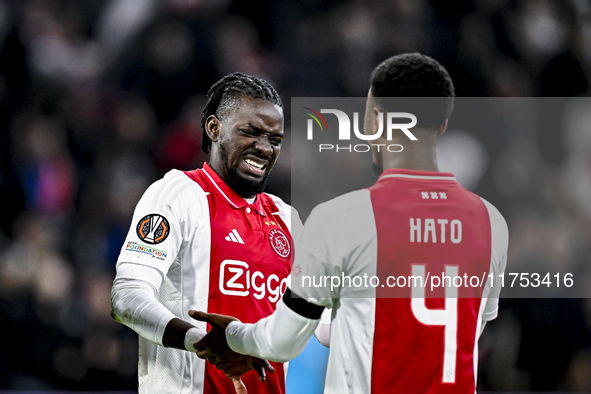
[
  {"x": 210, "y": 250},
  {"x": 390, "y": 336}
]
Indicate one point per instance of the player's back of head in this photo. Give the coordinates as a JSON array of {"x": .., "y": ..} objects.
[
  {"x": 225, "y": 94},
  {"x": 416, "y": 76}
]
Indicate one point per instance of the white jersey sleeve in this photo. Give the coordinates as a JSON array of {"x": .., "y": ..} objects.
[
  {"x": 499, "y": 245},
  {"x": 157, "y": 231},
  {"x": 158, "y": 226},
  {"x": 338, "y": 242},
  {"x": 279, "y": 337}
]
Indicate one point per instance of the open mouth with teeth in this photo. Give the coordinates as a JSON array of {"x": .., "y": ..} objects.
[{"x": 255, "y": 166}]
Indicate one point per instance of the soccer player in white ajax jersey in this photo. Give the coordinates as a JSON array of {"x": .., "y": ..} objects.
[
  {"x": 413, "y": 222},
  {"x": 209, "y": 239}
]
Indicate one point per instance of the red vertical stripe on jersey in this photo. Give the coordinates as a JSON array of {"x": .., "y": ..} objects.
[
  {"x": 408, "y": 355},
  {"x": 245, "y": 277}
]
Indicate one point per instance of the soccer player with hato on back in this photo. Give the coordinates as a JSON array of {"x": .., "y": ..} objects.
[
  {"x": 415, "y": 221},
  {"x": 210, "y": 239}
]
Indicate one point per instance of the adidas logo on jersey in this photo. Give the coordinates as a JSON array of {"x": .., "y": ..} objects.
[{"x": 234, "y": 237}]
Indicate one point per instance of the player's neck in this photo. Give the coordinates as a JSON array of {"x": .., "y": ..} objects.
[{"x": 414, "y": 156}]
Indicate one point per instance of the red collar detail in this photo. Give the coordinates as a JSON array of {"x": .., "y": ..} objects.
[{"x": 229, "y": 195}]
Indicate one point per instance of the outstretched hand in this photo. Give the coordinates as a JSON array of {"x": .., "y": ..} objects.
[{"x": 214, "y": 348}]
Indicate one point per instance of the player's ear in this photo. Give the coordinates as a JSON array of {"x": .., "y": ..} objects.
[
  {"x": 376, "y": 118},
  {"x": 212, "y": 127},
  {"x": 442, "y": 128}
]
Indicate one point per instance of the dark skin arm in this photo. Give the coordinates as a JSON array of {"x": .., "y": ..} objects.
[
  {"x": 215, "y": 349},
  {"x": 174, "y": 333},
  {"x": 234, "y": 365},
  {"x": 213, "y": 346}
]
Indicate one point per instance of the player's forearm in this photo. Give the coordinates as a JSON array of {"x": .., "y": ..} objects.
[
  {"x": 133, "y": 303},
  {"x": 279, "y": 337}
]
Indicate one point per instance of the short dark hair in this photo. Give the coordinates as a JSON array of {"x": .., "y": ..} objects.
[
  {"x": 415, "y": 75},
  {"x": 226, "y": 93}
]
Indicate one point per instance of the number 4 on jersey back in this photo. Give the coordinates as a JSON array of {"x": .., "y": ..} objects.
[{"x": 447, "y": 317}]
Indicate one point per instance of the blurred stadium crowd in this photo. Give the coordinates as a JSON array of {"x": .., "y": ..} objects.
[{"x": 98, "y": 98}]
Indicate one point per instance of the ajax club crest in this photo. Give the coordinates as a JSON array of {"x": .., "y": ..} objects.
[{"x": 280, "y": 242}]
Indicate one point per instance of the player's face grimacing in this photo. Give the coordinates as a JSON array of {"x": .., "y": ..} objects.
[{"x": 246, "y": 144}]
